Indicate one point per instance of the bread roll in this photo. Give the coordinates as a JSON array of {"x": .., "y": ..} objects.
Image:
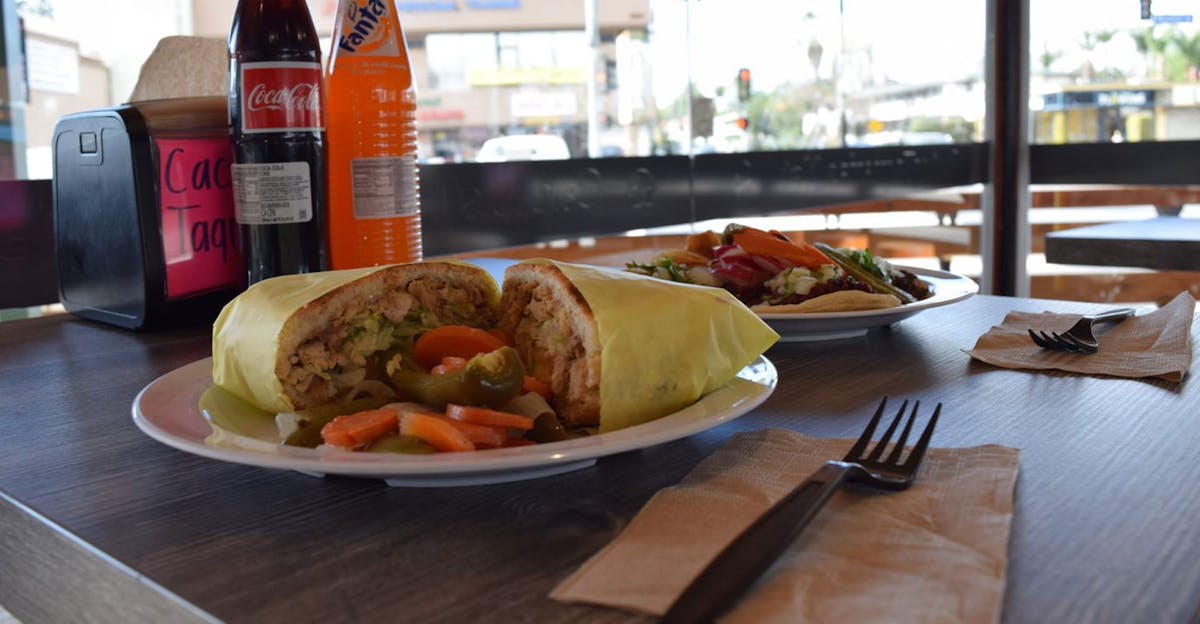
[
  {"x": 619, "y": 349},
  {"x": 297, "y": 341}
]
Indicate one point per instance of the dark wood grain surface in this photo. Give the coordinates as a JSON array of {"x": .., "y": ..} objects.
[
  {"x": 1165, "y": 243},
  {"x": 120, "y": 527}
]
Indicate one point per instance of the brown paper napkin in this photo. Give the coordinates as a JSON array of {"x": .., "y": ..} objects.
[
  {"x": 933, "y": 553},
  {"x": 1155, "y": 344},
  {"x": 183, "y": 67}
]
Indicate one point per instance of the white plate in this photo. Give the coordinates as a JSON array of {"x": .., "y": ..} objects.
[
  {"x": 168, "y": 410},
  {"x": 797, "y": 327}
]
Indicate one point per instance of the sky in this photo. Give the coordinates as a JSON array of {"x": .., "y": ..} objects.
[
  {"x": 910, "y": 41},
  {"x": 772, "y": 38}
]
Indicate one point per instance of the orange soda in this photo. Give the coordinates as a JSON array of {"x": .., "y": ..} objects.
[{"x": 374, "y": 187}]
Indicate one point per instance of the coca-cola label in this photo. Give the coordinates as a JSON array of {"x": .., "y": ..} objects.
[
  {"x": 199, "y": 232},
  {"x": 282, "y": 96},
  {"x": 272, "y": 193},
  {"x": 366, "y": 29}
]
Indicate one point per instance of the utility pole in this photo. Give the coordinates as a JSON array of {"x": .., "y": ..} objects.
[{"x": 591, "y": 30}]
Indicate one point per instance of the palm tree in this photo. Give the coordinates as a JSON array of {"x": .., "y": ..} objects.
[
  {"x": 35, "y": 7},
  {"x": 1187, "y": 63},
  {"x": 1153, "y": 48},
  {"x": 1091, "y": 41},
  {"x": 1047, "y": 58}
]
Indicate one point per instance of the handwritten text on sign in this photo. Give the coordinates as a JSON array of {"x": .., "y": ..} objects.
[{"x": 199, "y": 233}]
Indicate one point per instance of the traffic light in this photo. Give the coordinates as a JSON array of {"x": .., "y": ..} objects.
[
  {"x": 743, "y": 84},
  {"x": 743, "y": 123}
]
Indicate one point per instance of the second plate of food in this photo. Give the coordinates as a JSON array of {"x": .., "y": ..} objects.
[{"x": 808, "y": 326}]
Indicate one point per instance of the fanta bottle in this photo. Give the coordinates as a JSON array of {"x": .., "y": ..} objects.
[{"x": 374, "y": 193}]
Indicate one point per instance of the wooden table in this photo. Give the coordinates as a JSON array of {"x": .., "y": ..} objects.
[
  {"x": 99, "y": 520},
  {"x": 1164, "y": 243}
]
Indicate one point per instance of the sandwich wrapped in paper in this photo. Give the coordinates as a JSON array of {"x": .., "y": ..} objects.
[
  {"x": 619, "y": 349},
  {"x": 297, "y": 341}
]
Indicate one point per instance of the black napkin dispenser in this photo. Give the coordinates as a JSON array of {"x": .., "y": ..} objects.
[{"x": 145, "y": 231}]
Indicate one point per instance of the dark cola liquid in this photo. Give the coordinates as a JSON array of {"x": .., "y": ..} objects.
[
  {"x": 286, "y": 248},
  {"x": 282, "y": 32}
]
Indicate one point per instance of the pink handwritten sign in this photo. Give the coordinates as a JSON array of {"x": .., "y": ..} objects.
[{"x": 199, "y": 232}]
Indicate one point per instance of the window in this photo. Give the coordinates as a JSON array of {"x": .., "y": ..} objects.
[
  {"x": 452, "y": 57},
  {"x": 662, "y": 77},
  {"x": 1114, "y": 101},
  {"x": 777, "y": 106},
  {"x": 1116, "y": 75}
]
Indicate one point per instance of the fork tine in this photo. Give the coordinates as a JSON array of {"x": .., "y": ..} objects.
[
  {"x": 1054, "y": 341},
  {"x": 918, "y": 452},
  {"x": 894, "y": 458},
  {"x": 861, "y": 444},
  {"x": 887, "y": 435},
  {"x": 1039, "y": 341}
]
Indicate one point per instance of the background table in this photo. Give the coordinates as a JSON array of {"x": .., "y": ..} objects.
[
  {"x": 1164, "y": 243},
  {"x": 98, "y": 519}
]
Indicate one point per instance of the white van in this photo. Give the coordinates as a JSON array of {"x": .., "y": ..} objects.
[{"x": 524, "y": 147}]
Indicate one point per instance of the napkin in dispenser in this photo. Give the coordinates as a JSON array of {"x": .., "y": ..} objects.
[{"x": 143, "y": 204}]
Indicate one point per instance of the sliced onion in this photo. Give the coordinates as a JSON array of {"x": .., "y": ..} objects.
[
  {"x": 370, "y": 388},
  {"x": 530, "y": 404},
  {"x": 725, "y": 251},
  {"x": 703, "y": 276},
  {"x": 742, "y": 261},
  {"x": 772, "y": 264},
  {"x": 739, "y": 275}
]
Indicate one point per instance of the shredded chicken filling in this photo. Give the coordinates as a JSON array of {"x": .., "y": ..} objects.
[
  {"x": 336, "y": 359},
  {"x": 555, "y": 354}
]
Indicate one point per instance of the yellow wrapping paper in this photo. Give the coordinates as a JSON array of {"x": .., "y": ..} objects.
[
  {"x": 663, "y": 344},
  {"x": 246, "y": 333}
]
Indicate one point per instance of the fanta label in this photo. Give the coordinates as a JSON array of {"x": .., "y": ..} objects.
[
  {"x": 282, "y": 96},
  {"x": 366, "y": 29}
]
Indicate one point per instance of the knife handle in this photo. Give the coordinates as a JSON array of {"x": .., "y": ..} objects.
[{"x": 754, "y": 550}]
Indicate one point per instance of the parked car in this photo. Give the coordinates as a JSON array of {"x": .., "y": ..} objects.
[{"x": 523, "y": 147}]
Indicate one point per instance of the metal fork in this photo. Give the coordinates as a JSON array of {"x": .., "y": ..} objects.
[
  {"x": 753, "y": 551},
  {"x": 1079, "y": 339}
]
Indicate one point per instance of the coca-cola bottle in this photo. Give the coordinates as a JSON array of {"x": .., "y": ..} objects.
[{"x": 277, "y": 114}]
